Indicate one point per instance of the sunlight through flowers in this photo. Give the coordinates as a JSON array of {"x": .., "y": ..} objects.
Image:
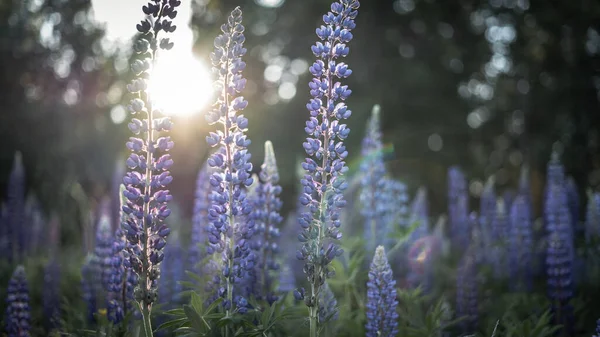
[{"x": 180, "y": 84}]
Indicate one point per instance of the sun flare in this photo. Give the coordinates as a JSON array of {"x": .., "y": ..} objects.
[{"x": 180, "y": 84}]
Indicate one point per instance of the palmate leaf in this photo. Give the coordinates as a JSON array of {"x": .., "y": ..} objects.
[{"x": 533, "y": 326}]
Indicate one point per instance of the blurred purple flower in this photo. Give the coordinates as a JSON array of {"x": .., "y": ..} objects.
[{"x": 381, "y": 306}]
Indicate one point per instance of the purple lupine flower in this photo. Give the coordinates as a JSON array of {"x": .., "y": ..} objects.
[
  {"x": 467, "y": 297},
  {"x": 487, "y": 210},
  {"x": 36, "y": 222},
  {"x": 103, "y": 251},
  {"x": 230, "y": 228},
  {"x": 419, "y": 212},
  {"x": 287, "y": 280},
  {"x": 559, "y": 270},
  {"x": 500, "y": 235},
  {"x": 396, "y": 214},
  {"x": 458, "y": 208},
  {"x": 520, "y": 245},
  {"x": 597, "y": 334},
  {"x": 372, "y": 181},
  {"x": 592, "y": 219},
  {"x": 149, "y": 161},
  {"x": 328, "y": 310},
  {"x": 89, "y": 286},
  {"x": 382, "y": 318},
  {"x": 556, "y": 213},
  {"x": 51, "y": 295},
  {"x": 197, "y": 250},
  {"x": 325, "y": 165},
  {"x": 267, "y": 222},
  {"x": 16, "y": 211},
  {"x": 18, "y": 316},
  {"x": 169, "y": 292}
]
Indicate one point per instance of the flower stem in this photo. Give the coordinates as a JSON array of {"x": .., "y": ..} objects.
[{"x": 146, "y": 321}]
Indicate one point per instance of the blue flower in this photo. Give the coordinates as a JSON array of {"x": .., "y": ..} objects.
[
  {"x": 328, "y": 310},
  {"x": 51, "y": 294},
  {"x": 592, "y": 219},
  {"x": 323, "y": 185},
  {"x": 372, "y": 181},
  {"x": 487, "y": 211},
  {"x": 149, "y": 161},
  {"x": 382, "y": 318},
  {"x": 89, "y": 287},
  {"x": 172, "y": 273},
  {"x": 458, "y": 208},
  {"x": 14, "y": 236},
  {"x": 18, "y": 316},
  {"x": 197, "y": 250},
  {"x": 467, "y": 298},
  {"x": 521, "y": 244},
  {"x": 267, "y": 205},
  {"x": 230, "y": 228}
]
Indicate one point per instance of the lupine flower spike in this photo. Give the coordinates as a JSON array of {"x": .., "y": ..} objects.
[
  {"x": 372, "y": 183},
  {"x": 521, "y": 243},
  {"x": 458, "y": 208},
  {"x": 230, "y": 228},
  {"x": 467, "y": 291},
  {"x": 18, "y": 316},
  {"x": 382, "y": 318},
  {"x": 16, "y": 210},
  {"x": 197, "y": 249},
  {"x": 323, "y": 185},
  {"x": 268, "y": 220},
  {"x": 149, "y": 161}
]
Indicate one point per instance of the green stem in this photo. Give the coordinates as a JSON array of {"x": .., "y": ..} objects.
[
  {"x": 314, "y": 332},
  {"x": 146, "y": 319}
]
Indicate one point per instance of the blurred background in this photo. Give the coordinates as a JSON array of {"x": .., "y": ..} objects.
[{"x": 485, "y": 85}]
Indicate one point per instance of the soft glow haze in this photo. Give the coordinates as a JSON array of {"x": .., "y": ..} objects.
[{"x": 180, "y": 84}]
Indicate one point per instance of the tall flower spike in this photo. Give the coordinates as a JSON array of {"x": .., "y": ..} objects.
[
  {"x": 467, "y": 291},
  {"x": 230, "y": 227},
  {"x": 197, "y": 250},
  {"x": 521, "y": 244},
  {"x": 592, "y": 217},
  {"x": 372, "y": 182},
  {"x": 18, "y": 316},
  {"x": 559, "y": 264},
  {"x": 267, "y": 221},
  {"x": 458, "y": 208},
  {"x": 16, "y": 209},
  {"x": 51, "y": 294},
  {"x": 500, "y": 236},
  {"x": 487, "y": 210},
  {"x": 325, "y": 165},
  {"x": 149, "y": 161},
  {"x": 382, "y": 318}
]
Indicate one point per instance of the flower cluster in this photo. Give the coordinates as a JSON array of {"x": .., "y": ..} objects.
[
  {"x": 372, "y": 182},
  {"x": 382, "y": 318},
  {"x": 323, "y": 184},
  {"x": 500, "y": 234},
  {"x": 51, "y": 294},
  {"x": 520, "y": 244},
  {"x": 199, "y": 218},
  {"x": 592, "y": 220},
  {"x": 13, "y": 239},
  {"x": 230, "y": 228},
  {"x": 467, "y": 291},
  {"x": 267, "y": 206},
  {"x": 458, "y": 208},
  {"x": 18, "y": 316},
  {"x": 149, "y": 161}
]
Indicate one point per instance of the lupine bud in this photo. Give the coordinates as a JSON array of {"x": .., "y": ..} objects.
[{"x": 458, "y": 208}]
